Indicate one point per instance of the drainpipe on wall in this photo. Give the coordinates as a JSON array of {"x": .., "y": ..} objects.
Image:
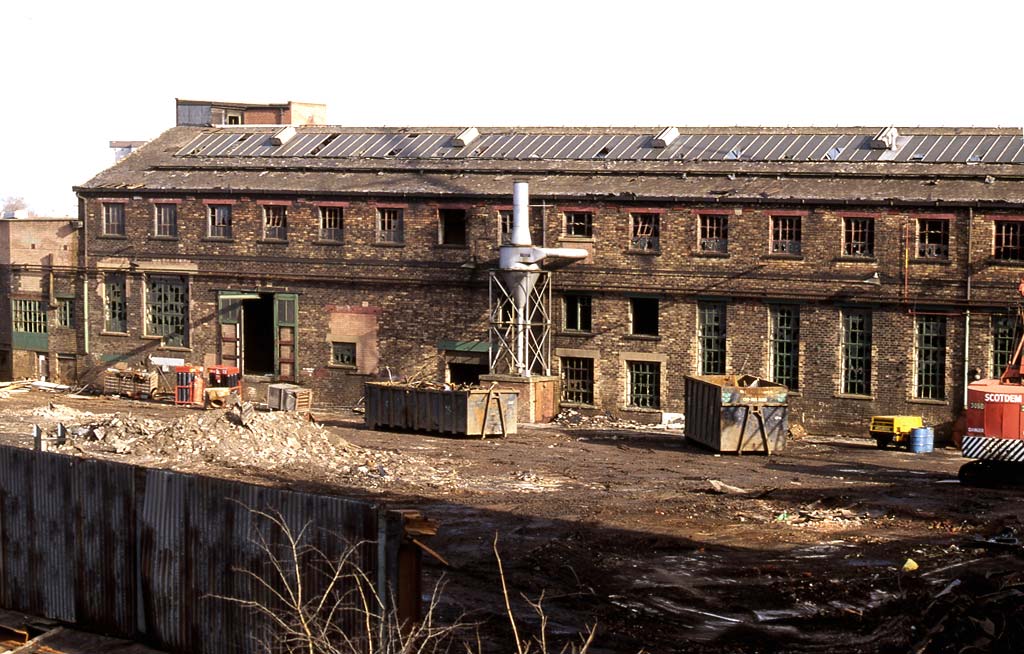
[{"x": 967, "y": 312}]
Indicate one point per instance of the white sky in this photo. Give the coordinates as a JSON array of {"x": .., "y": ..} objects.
[{"x": 80, "y": 74}]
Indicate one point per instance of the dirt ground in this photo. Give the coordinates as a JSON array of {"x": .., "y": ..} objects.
[{"x": 664, "y": 545}]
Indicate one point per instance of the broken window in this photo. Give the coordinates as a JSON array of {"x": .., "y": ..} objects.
[
  {"x": 643, "y": 315},
  {"x": 113, "y": 219},
  {"x": 711, "y": 337},
  {"x": 644, "y": 384},
  {"x": 332, "y": 223},
  {"x": 930, "y": 378},
  {"x": 28, "y": 316},
  {"x": 932, "y": 238},
  {"x": 505, "y": 226},
  {"x": 1009, "y": 244},
  {"x": 389, "y": 225},
  {"x": 785, "y": 235},
  {"x": 165, "y": 221},
  {"x": 858, "y": 237},
  {"x": 785, "y": 346},
  {"x": 65, "y": 312},
  {"x": 220, "y": 221},
  {"x": 579, "y": 224},
  {"x": 275, "y": 222},
  {"x": 116, "y": 305},
  {"x": 343, "y": 354},
  {"x": 1005, "y": 335},
  {"x": 577, "y": 380},
  {"x": 577, "y": 313},
  {"x": 714, "y": 233},
  {"x": 167, "y": 310},
  {"x": 856, "y": 352},
  {"x": 452, "y": 223},
  {"x": 645, "y": 232}
]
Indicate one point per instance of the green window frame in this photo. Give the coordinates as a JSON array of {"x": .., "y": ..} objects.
[
  {"x": 785, "y": 345},
  {"x": 115, "y": 303},
  {"x": 577, "y": 380},
  {"x": 711, "y": 337},
  {"x": 343, "y": 353},
  {"x": 856, "y": 352},
  {"x": 643, "y": 389},
  {"x": 167, "y": 309},
  {"x": 1005, "y": 336},
  {"x": 28, "y": 316},
  {"x": 65, "y": 312},
  {"x": 930, "y": 357}
]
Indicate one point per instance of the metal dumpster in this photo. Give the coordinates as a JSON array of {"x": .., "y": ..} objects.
[
  {"x": 736, "y": 413},
  {"x": 476, "y": 412}
]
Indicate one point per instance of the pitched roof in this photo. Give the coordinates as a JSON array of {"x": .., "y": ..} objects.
[{"x": 919, "y": 165}]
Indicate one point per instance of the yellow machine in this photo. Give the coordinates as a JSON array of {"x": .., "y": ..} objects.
[{"x": 893, "y": 429}]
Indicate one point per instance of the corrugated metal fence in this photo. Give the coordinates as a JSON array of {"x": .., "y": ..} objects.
[{"x": 143, "y": 553}]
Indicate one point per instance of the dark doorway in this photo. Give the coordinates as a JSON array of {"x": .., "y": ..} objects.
[
  {"x": 258, "y": 335},
  {"x": 466, "y": 373}
]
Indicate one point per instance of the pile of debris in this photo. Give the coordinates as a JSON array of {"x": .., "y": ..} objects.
[
  {"x": 573, "y": 418},
  {"x": 272, "y": 441}
]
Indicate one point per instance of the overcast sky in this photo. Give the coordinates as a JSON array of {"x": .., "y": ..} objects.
[{"x": 78, "y": 75}]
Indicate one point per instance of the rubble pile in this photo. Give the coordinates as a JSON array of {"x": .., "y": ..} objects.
[
  {"x": 574, "y": 418},
  {"x": 273, "y": 441}
]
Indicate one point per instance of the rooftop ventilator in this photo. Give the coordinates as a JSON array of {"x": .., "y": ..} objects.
[{"x": 520, "y": 296}]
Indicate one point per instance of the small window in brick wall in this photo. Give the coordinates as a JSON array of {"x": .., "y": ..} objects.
[
  {"x": 577, "y": 313},
  {"x": 220, "y": 221},
  {"x": 932, "y": 238},
  {"x": 786, "y": 237},
  {"x": 714, "y": 233},
  {"x": 65, "y": 312},
  {"x": 504, "y": 226},
  {"x": 113, "y": 219},
  {"x": 452, "y": 223},
  {"x": 858, "y": 237},
  {"x": 332, "y": 223},
  {"x": 1009, "y": 243},
  {"x": 343, "y": 354},
  {"x": 389, "y": 225},
  {"x": 165, "y": 220},
  {"x": 645, "y": 232},
  {"x": 579, "y": 224},
  {"x": 275, "y": 222},
  {"x": 643, "y": 314}
]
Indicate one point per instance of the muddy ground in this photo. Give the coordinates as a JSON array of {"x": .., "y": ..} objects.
[{"x": 622, "y": 527}]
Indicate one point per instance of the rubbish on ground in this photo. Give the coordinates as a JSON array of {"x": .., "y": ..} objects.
[{"x": 909, "y": 565}]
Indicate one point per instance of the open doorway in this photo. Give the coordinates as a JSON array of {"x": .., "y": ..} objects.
[{"x": 258, "y": 335}]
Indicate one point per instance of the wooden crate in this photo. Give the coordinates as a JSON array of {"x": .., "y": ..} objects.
[{"x": 131, "y": 383}]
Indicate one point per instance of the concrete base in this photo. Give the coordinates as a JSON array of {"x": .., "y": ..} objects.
[{"x": 538, "y": 396}]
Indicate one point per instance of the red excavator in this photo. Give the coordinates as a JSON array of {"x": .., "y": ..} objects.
[{"x": 995, "y": 424}]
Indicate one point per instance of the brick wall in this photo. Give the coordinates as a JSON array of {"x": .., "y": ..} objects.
[{"x": 421, "y": 292}]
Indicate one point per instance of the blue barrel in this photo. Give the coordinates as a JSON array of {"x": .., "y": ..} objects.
[{"x": 922, "y": 440}]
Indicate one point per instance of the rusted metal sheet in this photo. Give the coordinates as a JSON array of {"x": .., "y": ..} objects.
[
  {"x": 477, "y": 412},
  {"x": 153, "y": 553},
  {"x": 730, "y": 413}
]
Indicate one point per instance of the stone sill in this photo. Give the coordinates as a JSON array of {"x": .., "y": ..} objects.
[
  {"x": 847, "y": 396},
  {"x": 921, "y": 400}
]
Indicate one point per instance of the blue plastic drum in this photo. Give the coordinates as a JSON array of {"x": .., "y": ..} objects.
[{"x": 922, "y": 440}]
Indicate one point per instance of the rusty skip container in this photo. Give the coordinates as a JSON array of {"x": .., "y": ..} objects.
[
  {"x": 727, "y": 413},
  {"x": 477, "y": 412}
]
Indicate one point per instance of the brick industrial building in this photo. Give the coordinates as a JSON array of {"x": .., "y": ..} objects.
[{"x": 869, "y": 271}]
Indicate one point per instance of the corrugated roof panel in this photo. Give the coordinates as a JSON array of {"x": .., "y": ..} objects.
[
  {"x": 345, "y": 145},
  {"x": 546, "y": 147},
  {"x": 572, "y": 148},
  {"x": 981, "y": 150},
  {"x": 623, "y": 147},
  {"x": 693, "y": 148},
  {"x": 792, "y": 145},
  {"x": 306, "y": 143},
  {"x": 710, "y": 149},
  {"x": 809, "y": 146},
  {"x": 826, "y": 144},
  {"x": 431, "y": 145},
  {"x": 1013, "y": 151},
  {"x": 945, "y": 144},
  {"x": 506, "y": 144},
  {"x": 727, "y": 150},
  {"x": 909, "y": 148},
  {"x": 526, "y": 145},
  {"x": 220, "y": 144},
  {"x": 680, "y": 144},
  {"x": 965, "y": 149}
]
